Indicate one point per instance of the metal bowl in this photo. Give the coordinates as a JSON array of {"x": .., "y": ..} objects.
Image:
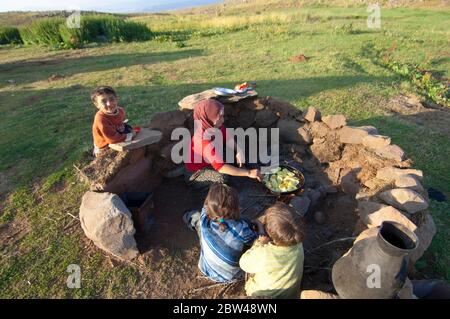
[{"x": 298, "y": 174}]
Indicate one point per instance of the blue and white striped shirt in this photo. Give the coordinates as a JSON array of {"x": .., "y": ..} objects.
[{"x": 221, "y": 250}]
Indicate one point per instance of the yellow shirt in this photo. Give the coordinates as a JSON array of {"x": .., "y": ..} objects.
[{"x": 277, "y": 271}]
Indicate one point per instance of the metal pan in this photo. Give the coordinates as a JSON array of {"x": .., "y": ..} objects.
[{"x": 298, "y": 174}]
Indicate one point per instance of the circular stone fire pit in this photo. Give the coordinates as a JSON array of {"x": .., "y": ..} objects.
[{"x": 355, "y": 179}]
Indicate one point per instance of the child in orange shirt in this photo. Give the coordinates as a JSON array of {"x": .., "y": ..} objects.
[{"x": 108, "y": 127}]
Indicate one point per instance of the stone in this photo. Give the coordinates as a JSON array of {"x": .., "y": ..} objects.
[
  {"x": 246, "y": 118},
  {"x": 326, "y": 152},
  {"x": 314, "y": 195},
  {"x": 189, "y": 102},
  {"x": 282, "y": 108},
  {"x": 292, "y": 131},
  {"x": 367, "y": 207},
  {"x": 300, "y": 204},
  {"x": 311, "y": 114},
  {"x": 355, "y": 135},
  {"x": 393, "y": 152},
  {"x": 387, "y": 213},
  {"x": 166, "y": 122},
  {"x": 405, "y": 199},
  {"x": 376, "y": 142},
  {"x": 317, "y": 294},
  {"x": 133, "y": 177},
  {"x": 374, "y": 183},
  {"x": 409, "y": 181},
  {"x": 350, "y": 184},
  {"x": 108, "y": 223},
  {"x": 143, "y": 138},
  {"x": 319, "y": 129},
  {"x": 425, "y": 232},
  {"x": 319, "y": 217},
  {"x": 265, "y": 118},
  {"x": 334, "y": 121},
  {"x": 359, "y": 227},
  {"x": 390, "y": 173}
]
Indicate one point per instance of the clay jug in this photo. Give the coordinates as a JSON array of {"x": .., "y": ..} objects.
[{"x": 375, "y": 267}]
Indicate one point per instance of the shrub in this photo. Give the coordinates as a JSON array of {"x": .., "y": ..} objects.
[
  {"x": 10, "y": 35},
  {"x": 103, "y": 29},
  {"x": 43, "y": 32}
]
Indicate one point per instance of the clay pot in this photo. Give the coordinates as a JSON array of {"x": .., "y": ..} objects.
[{"x": 375, "y": 267}]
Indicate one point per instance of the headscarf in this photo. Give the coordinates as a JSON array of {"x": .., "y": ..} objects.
[{"x": 207, "y": 111}]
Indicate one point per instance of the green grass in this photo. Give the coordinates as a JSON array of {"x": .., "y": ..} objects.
[{"x": 45, "y": 125}]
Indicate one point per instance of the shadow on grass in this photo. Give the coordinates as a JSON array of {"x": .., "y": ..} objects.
[
  {"x": 29, "y": 71},
  {"x": 44, "y": 128}
]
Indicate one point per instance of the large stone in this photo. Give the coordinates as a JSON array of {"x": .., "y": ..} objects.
[
  {"x": 189, "y": 102},
  {"x": 409, "y": 181},
  {"x": 334, "y": 121},
  {"x": 311, "y": 114},
  {"x": 292, "y": 131},
  {"x": 108, "y": 223},
  {"x": 366, "y": 207},
  {"x": 405, "y": 199},
  {"x": 282, "y": 108},
  {"x": 166, "y": 122},
  {"x": 300, "y": 205},
  {"x": 246, "y": 118},
  {"x": 265, "y": 118},
  {"x": 376, "y": 142},
  {"x": 135, "y": 177},
  {"x": 317, "y": 294},
  {"x": 393, "y": 152},
  {"x": 355, "y": 135},
  {"x": 390, "y": 173},
  {"x": 387, "y": 213},
  {"x": 425, "y": 232}
]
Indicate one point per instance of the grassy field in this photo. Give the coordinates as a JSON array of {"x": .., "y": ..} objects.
[{"x": 45, "y": 124}]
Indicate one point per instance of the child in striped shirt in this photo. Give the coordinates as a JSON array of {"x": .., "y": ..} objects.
[
  {"x": 223, "y": 234},
  {"x": 274, "y": 264}
]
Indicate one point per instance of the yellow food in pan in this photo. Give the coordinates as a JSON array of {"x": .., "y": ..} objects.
[{"x": 281, "y": 180}]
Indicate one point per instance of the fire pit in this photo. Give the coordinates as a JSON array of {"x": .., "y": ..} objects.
[{"x": 354, "y": 178}]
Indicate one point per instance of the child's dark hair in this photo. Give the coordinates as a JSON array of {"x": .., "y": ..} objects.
[
  {"x": 222, "y": 202},
  {"x": 282, "y": 225},
  {"x": 102, "y": 90}
]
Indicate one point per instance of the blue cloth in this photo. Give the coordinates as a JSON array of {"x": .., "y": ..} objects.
[{"x": 221, "y": 250}]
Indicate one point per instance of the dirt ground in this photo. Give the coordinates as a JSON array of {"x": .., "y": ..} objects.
[{"x": 170, "y": 237}]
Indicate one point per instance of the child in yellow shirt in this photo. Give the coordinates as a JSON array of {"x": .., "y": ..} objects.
[{"x": 275, "y": 262}]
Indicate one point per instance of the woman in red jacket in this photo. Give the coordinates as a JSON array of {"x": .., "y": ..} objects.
[{"x": 207, "y": 165}]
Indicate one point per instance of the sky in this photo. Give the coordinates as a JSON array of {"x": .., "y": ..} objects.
[{"x": 116, "y": 6}]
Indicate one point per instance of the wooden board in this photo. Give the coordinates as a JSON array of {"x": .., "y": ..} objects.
[{"x": 143, "y": 138}]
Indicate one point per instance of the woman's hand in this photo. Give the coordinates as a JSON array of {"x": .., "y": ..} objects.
[{"x": 256, "y": 174}]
